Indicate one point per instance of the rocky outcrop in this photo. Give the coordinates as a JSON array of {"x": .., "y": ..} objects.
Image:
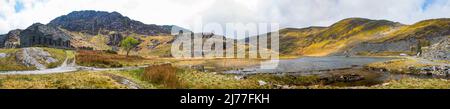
[
  {"x": 410, "y": 38},
  {"x": 114, "y": 39},
  {"x": 405, "y": 45},
  {"x": 438, "y": 51},
  {"x": 12, "y": 39},
  {"x": 35, "y": 57},
  {"x": 95, "y": 22}
]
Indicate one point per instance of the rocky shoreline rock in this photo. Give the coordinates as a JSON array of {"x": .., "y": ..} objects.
[{"x": 342, "y": 78}]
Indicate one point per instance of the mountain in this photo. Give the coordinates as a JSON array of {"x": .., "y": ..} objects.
[
  {"x": 323, "y": 41},
  {"x": 407, "y": 39},
  {"x": 100, "y": 30},
  {"x": 99, "y": 22},
  {"x": 360, "y": 36},
  {"x": 97, "y": 30}
]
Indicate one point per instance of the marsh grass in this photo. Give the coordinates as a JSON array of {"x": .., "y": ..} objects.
[
  {"x": 397, "y": 66},
  {"x": 164, "y": 74},
  {"x": 75, "y": 80},
  {"x": 105, "y": 60}
]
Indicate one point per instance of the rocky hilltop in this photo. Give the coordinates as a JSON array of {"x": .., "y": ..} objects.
[{"x": 99, "y": 22}]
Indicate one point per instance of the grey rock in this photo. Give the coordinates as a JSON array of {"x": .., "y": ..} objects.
[
  {"x": 262, "y": 83},
  {"x": 36, "y": 57},
  {"x": 3, "y": 55},
  {"x": 404, "y": 45},
  {"x": 438, "y": 51}
]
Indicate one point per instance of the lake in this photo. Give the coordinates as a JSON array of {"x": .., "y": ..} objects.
[{"x": 313, "y": 64}]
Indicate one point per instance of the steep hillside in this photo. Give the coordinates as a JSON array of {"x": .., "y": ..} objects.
[
  {"x": 348, "y": 32},
  {"x": 293, "y": 40},
  {"x": 407, "y": 39},
  {"x": 323, "y": 41}
]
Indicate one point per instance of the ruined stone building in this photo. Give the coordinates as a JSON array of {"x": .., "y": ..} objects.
[{"x": 37, "y": 35}]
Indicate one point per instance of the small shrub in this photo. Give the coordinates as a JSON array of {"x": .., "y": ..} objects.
[
  {"x": 111, "y": 51},
  {"x": 161, "y": 74}
]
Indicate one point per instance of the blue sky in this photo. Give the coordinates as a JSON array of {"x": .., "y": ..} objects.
[
  {"x": 19, "y": 14},
  {"x": 427, "y": 4},
  {"x": 18, "y": 6}
]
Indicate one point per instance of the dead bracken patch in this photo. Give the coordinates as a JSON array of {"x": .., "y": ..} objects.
[{"x": 164, "y": 74}]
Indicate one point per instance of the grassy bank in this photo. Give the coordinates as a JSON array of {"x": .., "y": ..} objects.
[{"x": 80, "y": 80}]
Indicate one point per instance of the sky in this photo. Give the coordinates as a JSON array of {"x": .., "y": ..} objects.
[{"x": 19, "y": 14}]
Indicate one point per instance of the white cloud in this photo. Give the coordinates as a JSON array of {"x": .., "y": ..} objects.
[{"x": 289, "y": 13}]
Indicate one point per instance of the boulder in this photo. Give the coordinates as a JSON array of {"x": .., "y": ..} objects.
[
  {"x": 36, "y": 57},
  {"x": 3, "y": 55}
]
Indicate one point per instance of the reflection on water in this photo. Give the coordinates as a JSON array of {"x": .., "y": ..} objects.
[{"x": 313, "y": 64}]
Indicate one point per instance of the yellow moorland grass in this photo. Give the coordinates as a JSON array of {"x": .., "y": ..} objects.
[
  {"x": 78, "y": 80},
  {"x": 397, "y": 66},
  {"x": 106, "y": 60},
  {"x": 415, "y": 83}
]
